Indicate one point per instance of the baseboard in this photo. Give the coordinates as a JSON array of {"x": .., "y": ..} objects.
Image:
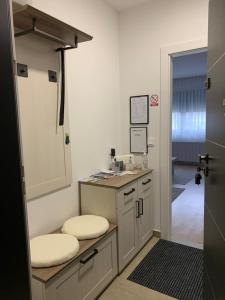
[
  {"x": 157, "y": 233},
  {"x": 187, "y": 243}
]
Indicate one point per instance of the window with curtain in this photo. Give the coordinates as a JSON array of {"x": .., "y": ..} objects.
[{"x": 189, "y": 110}]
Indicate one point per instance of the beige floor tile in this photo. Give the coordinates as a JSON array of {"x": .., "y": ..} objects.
[
  {"x": 187, "y": 226},
  {"x": 188, "y": 215},
  {"x": 121, "y": 288}
]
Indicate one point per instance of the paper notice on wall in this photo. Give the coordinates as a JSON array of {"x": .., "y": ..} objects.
[
  {"x": 139, "y": 109},
  {"x": 138, "y": 140}
]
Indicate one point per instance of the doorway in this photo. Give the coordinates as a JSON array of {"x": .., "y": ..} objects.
[
  {"x": 188, "y": 115},
  {"x": 167, "y": 53}
]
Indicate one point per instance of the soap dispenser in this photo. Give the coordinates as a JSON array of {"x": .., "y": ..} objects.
[
  {"x": 145, "y": 161},
  {"x": 112, "y": 160},
  {"x": 130, "y": 165}
]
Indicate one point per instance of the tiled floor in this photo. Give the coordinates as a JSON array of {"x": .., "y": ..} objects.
[
  {"x": 188, "y": 215},
  {"x": 123, "y": 289},
  {"x": 187, "y": 227}
]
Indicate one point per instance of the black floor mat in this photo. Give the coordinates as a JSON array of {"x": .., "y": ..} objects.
[{"x": 172, "y": 269}]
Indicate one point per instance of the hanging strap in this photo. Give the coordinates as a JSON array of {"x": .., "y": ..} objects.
[{"x": 62, "y": 101}]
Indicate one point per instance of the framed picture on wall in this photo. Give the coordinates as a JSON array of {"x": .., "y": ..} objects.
[
  {"x": 138, "y": 140},
  {"x": 139, "y": 109}
]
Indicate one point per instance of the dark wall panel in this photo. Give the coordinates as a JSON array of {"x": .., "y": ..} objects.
[
  {"x": 215, "y": 104},
  {"x": 216, "y": 31},
  {"x": 214, "y": 256},
  {"x": 15, "y": 270},
  {"x": 214, "y": 231},
  {"x": 215, "y": 185}
]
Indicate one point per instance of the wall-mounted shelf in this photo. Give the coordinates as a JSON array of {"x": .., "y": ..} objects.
[
  {"x": 42, "y": 98},
  {"x": 31, "y": 20}
]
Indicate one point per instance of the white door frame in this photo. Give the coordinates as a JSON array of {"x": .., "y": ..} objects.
[{"x": 165, "y": 135}]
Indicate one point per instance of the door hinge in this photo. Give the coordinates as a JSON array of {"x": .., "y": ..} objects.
[
  {"x": 14, "y": 67},
  {"x": 22, "y": 171},
  {"x": 24, "y": 186},
  {"x": 208, "y": 83},
  {"x": 23, "y": 180}
]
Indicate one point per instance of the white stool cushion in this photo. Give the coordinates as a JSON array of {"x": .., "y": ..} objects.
[
  {"x": 52, "y": 249},
  {"x": 86, "y": 227}
]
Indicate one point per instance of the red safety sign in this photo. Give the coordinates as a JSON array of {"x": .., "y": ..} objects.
[{"x": 154, "y": 100}]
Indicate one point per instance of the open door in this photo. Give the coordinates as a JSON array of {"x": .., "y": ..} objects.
[
  {"x": 214, "y": 161},
  {"x": 15, "y": 269}
]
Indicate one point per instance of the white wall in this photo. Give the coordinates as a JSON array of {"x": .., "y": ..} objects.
[
  {"x": 93, "y": 79},
  {"x": 143, "y": 31},
  {"x": 94, "y": 106}
]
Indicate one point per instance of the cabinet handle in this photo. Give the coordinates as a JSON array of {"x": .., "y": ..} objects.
[
  {"x": 130, "y": 192},
  {"x": 90, "y": 257},
  {"x": 137, "y": 209},
  {"x": 146, "y": 182},
  {"x": 141, "y": 212}
]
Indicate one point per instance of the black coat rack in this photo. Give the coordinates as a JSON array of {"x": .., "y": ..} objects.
[{"x": 31, "y": 20}]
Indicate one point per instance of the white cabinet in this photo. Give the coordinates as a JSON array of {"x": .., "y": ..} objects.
[
  {"x": 85, "y": 278},
  {"x": 127, "y": 216},
  {"x": 130, "y": 207},
  {"x": 145, "y": 222}
]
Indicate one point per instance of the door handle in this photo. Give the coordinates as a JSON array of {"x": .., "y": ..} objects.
[
  {"x": 130, "y": 192},
  {"x": 204, "y": 157},
  {"x": 141, "y": 206},
  {"x": 137, "y": 209}
]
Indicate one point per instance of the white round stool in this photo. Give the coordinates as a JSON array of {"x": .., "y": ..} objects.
[
  {"x": 86, "y": 227},
  {"x": 52, "y": 249}
]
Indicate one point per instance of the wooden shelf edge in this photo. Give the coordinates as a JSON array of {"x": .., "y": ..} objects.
[
  {"x": 23, "y": 19},
  {"x": 46, "y": 274}
]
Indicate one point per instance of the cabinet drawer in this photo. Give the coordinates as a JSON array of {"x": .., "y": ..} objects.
[
  {"x": 96, "y": 270},
  {"x": 127, "y": 196},
  {"x": 88, "y": 276},
  {"x": 145, "y": 184}
]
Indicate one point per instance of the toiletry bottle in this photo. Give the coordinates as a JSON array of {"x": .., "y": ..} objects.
[
  {"x": 114, "y": 167},
  {"x": 145, "y": 161},
  {"x": 131, "y": 166},
  {"x": 111, "y": 165},
  {"x": 112, "y": 156}
]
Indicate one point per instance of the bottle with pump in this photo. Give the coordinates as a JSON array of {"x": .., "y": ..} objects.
[
  {"x": 112, "y": 161},
  {"x": 145, "y": 161},
  {"x": 130, "y": 166}
]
